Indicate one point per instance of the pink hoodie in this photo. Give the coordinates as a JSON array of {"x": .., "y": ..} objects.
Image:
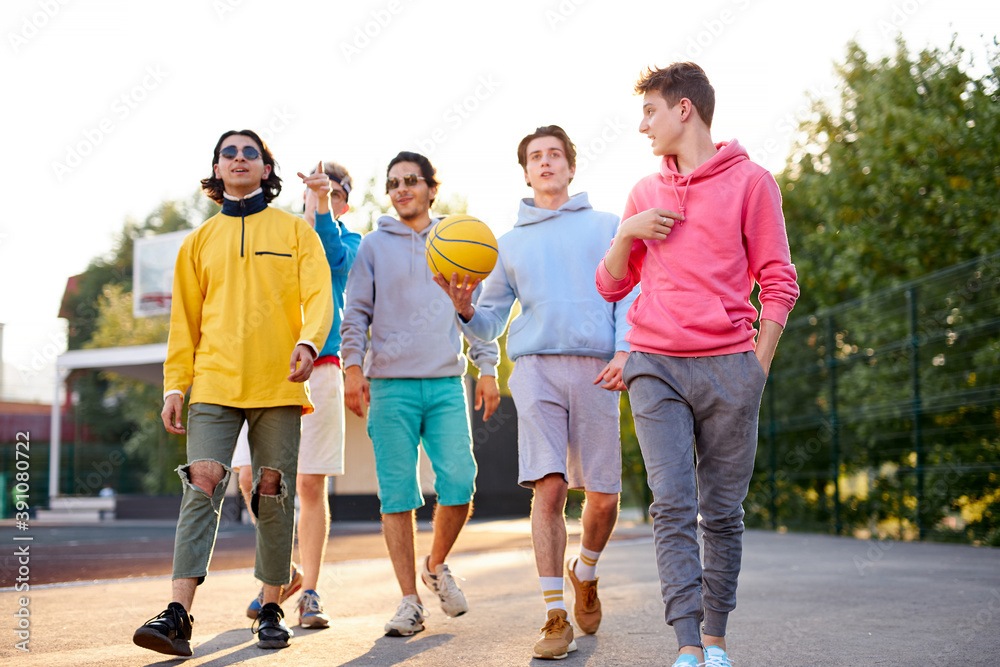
[{"x": 696, "y": 283}]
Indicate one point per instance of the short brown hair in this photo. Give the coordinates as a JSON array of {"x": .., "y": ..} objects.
[
  {"x": 215, "y": 188},
  {"x": 678, "y": 81},
  {"x": 546, "y": 131}
]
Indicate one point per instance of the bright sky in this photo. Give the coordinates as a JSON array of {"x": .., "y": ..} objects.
[{"x": 112, "y": 106}]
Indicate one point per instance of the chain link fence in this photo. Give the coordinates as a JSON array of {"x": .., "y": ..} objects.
[{"x": 881, "y": 417}]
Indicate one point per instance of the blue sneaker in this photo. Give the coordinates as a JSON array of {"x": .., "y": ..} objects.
[
  {"x": 685, "y": 660},
  {"x": 716, "y": 657},
  {"x": 311, "y": 614},
  {"x": 253, "y": 609}
]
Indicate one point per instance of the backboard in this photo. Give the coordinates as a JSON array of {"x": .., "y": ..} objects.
[{"x": 153, "y": 272}]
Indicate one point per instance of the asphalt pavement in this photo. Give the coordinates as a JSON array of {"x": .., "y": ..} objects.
[{"x": 803, "y": 600}]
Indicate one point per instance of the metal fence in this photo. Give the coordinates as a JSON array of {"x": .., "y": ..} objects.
[{"x": 882, "y": 415}]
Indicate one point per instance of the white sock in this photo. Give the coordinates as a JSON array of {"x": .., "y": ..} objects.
[
  {"x": 552, "y": 591},
  {"x": 586, "y": 564}
]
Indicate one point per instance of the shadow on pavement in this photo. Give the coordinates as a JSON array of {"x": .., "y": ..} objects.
[
  {"x": 395, "y": 650},
  {"x": 223, "y": 643}
]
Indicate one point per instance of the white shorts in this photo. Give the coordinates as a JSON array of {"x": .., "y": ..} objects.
[{"x": 321, "y": 451}]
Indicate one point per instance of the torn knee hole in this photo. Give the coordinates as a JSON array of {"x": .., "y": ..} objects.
[
  {"x": 270, "y": 483},
  {"x": 204, "y": 475}
]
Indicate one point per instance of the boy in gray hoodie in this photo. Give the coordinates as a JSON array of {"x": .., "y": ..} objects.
[
  {"x": 411, "y": 380},
  {"x": 565, "y": 342}
]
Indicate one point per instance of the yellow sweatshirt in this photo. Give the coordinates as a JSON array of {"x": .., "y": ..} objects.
[{"x": 246, "y": 291}]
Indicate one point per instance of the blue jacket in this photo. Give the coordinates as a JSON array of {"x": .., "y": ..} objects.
[
  {"x": 341, "y": 246},
  {"x": 547, "y": 263}
]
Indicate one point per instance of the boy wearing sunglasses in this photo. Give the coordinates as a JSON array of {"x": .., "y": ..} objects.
[
  {"x": 565, "y": 342},
  {"x": 698, "y": 234},
  {"x": 252, "y": 306},
  {"x": 410, "y": 375}
]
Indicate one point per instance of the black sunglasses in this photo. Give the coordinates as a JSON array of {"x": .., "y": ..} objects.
[
  {"x": 410, "y": 180},
  {"x": 249, "y": 152}
]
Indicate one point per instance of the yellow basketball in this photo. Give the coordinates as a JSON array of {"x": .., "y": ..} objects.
[{"x": 461, "y": 244}]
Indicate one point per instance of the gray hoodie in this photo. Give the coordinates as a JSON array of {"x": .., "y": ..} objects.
[{"x": 413, "y": 324}]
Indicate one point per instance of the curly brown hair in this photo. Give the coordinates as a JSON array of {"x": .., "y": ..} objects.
[{"x": 214, "y": 187}]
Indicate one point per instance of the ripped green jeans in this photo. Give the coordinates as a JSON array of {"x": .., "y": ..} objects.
[{"x": 274, "y": 443}]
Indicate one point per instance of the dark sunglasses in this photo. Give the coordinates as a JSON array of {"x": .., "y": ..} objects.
[
  {"x": 409, "y": 180},
  {"x": 249, "y": 152}
]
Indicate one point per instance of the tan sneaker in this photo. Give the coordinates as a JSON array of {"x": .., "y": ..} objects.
[
  {"x": 586, "y": 605},
  {"x": 442, "y": 583},
  {"x": 556, "y": 640}
]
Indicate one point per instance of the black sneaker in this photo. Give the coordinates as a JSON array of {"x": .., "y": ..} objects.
[
  {"x": 169, "y": 633},
  {"x": 269, "y": 627}
]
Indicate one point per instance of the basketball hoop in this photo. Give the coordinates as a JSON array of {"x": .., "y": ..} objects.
[{"x": 153, "y": 273}]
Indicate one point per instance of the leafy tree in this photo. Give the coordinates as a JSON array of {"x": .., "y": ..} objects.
[
  {"x": 881, "y": 197},
  {"x": 901, "y": 179},
  {"x": 99, "y": 314},
  {"x": 372, "y": 207},
  {"x": 79, "y": 307},
  {"x": 151, "y": 453}
]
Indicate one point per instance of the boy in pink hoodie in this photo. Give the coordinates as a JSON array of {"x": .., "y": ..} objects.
[{"x": 698, "y": 234}]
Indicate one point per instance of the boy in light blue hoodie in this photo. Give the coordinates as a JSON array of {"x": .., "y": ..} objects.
[
  {"x": 565, "y": 342},
  {"x": 411, "y": 379}
]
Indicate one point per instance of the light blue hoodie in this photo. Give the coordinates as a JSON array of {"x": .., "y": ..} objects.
[
  {"x": 547, "y": 263},
  {"x": 414, "y": 327}
]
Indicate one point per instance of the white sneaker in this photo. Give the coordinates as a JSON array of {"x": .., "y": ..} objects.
[
  {"x": 409, "y": 619},
  {"x": 443, "y": 584}
]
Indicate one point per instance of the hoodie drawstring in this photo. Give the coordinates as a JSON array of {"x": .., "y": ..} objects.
[{"x": 680, "y": 199}]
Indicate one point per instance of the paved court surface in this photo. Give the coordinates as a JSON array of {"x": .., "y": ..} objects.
[{"x": 803, "y": 600}]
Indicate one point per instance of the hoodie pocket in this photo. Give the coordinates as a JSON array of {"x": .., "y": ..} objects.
[{"x": 682, "y": 321}]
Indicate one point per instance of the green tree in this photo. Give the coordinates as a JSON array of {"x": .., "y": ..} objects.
[
  {"x": 896, "y": 182},
  {"x": 372, "y": 207},
  {"x": 79, "y": 306},
  {"x": 151, "y": 453},
  {"x": 99, "y": 315},
  {"x": 901, "y": 179}
]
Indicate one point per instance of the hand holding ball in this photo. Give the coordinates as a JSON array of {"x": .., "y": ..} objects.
[{"x": 461, "y": 244}]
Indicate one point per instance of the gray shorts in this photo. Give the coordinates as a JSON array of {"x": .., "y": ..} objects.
[{"x": 565, "y": 423}]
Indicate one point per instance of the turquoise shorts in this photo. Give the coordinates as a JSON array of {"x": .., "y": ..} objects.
[{"x": 406, "y": 412}]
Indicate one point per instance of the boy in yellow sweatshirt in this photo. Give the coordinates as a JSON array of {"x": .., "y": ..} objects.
[{"x": 252, "y": 305}]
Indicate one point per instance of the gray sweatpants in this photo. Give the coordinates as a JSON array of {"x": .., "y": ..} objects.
[{"x": 712, "y": 405}]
